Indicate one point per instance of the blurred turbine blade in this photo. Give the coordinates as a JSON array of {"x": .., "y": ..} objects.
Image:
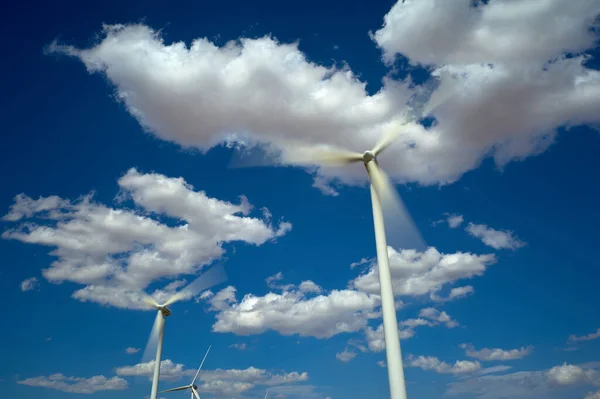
[
  {"x": 266, "y": 394},
  {"x": 388, "y": 138},
  {"x": 148, "y": 300},
  {"x": 176, "y": 389},
  {"x": 198, "y": 372},
  {"x": 401, "y": 231},
  {"x": 215, "y": 275},
  {"x": 150, "y": 351},
  {"x": 298, "y": 156},
  {"x": 334, "y": 157}
]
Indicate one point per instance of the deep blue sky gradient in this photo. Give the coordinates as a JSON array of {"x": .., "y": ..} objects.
[{"x": 63, "y": 134}]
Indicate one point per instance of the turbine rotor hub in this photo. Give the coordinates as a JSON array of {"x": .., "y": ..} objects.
[
  {"x": 368, "y": 156},
  {"x": 165, "y": 310}
]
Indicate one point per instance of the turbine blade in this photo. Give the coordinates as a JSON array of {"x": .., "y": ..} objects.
[
  {"x": 195, "y": 393},
  {"x": 333, "y": 157},
  {"x": 299, "y": 156},
  {"x": 176, "y": 389},
  {"x": 148, "y": 300},
  {"x": 388, "y": 138},
  {"x": 401, "y": 231},
  {"x": 150, "y": 350},
  {"x": 266, "y": 394},
  {"x": 198, "y": 372},
  {"x": 215, "y": 275}
]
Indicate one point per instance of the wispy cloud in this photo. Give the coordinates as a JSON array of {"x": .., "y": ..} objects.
[
  {"x": 496, "y": 239},
  {"x": 77, "y": 384}
]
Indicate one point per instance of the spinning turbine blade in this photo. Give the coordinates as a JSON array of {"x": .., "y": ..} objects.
[
  {"x": 215, "y": 275},
  {"x": 198, "y": 372},
  {"x": 334, "y": 157},
  {"x": 195, "y": 393},
  {"x": 150, "y": 351},
  {"x": 389, "y": 137},
  {"x": 401, "y": 230},
  {"x": 148, "y": 300},
  {"x": 266, "y": 394},
  {"x": 176, "y": 389}
]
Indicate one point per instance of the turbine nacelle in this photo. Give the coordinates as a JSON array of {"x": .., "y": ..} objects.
[
  {"x": 368, "y": 156},
  {"x": 164, "y": 310}
]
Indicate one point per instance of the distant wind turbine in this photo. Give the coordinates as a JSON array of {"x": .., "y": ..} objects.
[
  {"x": 193, "y": 387},
  {"x": 212, "y": 277}
]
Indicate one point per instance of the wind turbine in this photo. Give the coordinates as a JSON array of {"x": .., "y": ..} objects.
[
  {"x": 383, "y": 196},
  {"x": 193, "y": 387},
  {"x": 212, "y": 277}
]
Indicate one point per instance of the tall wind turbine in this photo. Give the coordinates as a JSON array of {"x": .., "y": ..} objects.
[
  {"x": 383, "y": 197},
  {"x": 193, "y": 387},
  {"x": 214, "y": 276},
  {"x": 383, "y": 194}
]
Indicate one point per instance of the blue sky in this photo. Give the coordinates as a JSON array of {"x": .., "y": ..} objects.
[{"x": 115, "y": 139}]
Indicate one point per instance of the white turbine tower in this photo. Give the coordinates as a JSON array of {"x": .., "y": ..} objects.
[
  {"x": 214, "y": 276},
  {"x": 383, "y": 196},
  {"x": 193, "y": 387}
]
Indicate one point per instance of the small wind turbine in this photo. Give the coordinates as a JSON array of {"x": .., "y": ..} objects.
[
  {"x": 193, "y": 387},
  {"x": 214, "y": 276},
  {"x": 383, "y": 196}
]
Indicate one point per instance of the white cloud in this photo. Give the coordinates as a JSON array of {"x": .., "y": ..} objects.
[
  {"x": 221, "y": 382},
  {"x": 487, "y": 354},
  {"x": 131, "y": 351},
  {"x": 115, "y": 252},
  {"x": 77, "y": 384},
  {"x": 569, "y": 374},
  {"x": 225, "y": 388},
  {"x": 455, "y": 221},
  {"x": 324, "y": 186},
  {"x": 507, "y": 32},
  {"x": 507, "y": 100},
  {"x": 376, "y": 338},
  {"x": 573, "y": 338},
  {"x": 292, "y": 312},
  {"x": 440, "y": 317},
  {"x": 29, "y": 284},
  {"x": 272, "y": 279},
  {"x": 593, "y": 395},
  {"x": 381, "y": 363},
  {"x": 169, "y": 371},
  {"x": 309, "y": 286},
  {"x": 418, "y": 273},
  {"x": 358, "y": 345},
  {"x": 345, "y": 356},
  {"x": 43, "y": 207},
  {"x": 494, "y": 238},
  {"x": 510, "y": 89},
  {"x": 432, "y": 363},
  {"x": 361, "y": 262},
  {"x": 525, "y": 384},
  {"x": 455, "y": 293},
  {"x": 241, "y": 346},
  {"x": 493, "y": 369}
]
